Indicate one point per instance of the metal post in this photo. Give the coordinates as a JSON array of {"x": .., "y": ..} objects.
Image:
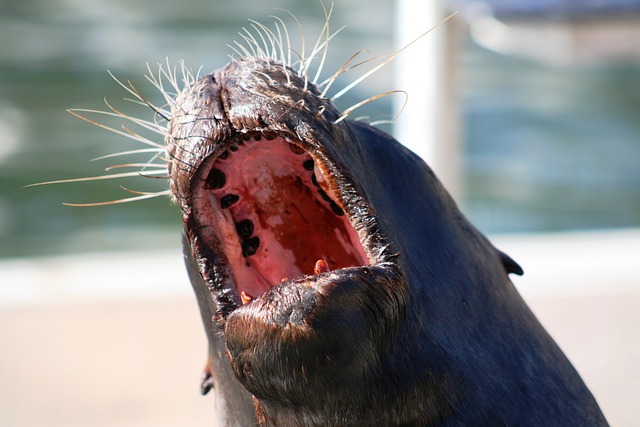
[{"x": 429, "y": 124}]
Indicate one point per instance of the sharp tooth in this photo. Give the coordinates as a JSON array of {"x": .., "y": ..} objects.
[
  {"x": 244, "y": 229},
  {"x": 245, "y": 297},
  {"x": 228, "y": 200},
  {"x": 321, "y": 266},
  {"x": 296, "y": 150},
  {"x": 215, "y": 180},
  {"x": 319, "y": 177}
]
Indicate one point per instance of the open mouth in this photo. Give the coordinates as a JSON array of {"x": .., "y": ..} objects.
[{"x": 267, "y": 210}]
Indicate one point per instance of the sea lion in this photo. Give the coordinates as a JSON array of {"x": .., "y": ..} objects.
[{"x": 339, "y": 283}]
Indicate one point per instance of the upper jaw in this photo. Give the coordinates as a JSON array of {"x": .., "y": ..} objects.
[
  {"x": 222, "y": 260},
  {"x": 221, "y": 112}
]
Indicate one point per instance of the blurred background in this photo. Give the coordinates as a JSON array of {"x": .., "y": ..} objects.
[{"x": 538, "y": 104}]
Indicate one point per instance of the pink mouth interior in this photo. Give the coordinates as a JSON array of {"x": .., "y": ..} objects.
[{"x": 275, "y": 216}]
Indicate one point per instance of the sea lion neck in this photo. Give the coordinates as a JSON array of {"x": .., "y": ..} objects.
[
  {"x": 338, "y": 281},
  {"x": 260, "y": 172}
]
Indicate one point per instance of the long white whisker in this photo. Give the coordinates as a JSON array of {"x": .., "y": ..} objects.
[
  {"x": 98, "y": 178},
  {"x": 150, "y": 193},
  {"x": 126, "y": 153},
  {"x": 253, "y": 43},
  {"x": 237, "y": 52},
  {"x": 349, "y": 110},
  {"x": 135, "y": 165},
  {"x": 132, "y": 90},
  {"x": 260, "y": 32},
  {"x": 243, "y": 49},
  {"x": 110, "y": 129},
  {"x": 391, "y": 58},
  {"x": 286, "y": 32},
  {"x": 157, "y": 83},
  {"x": 281, "y": 41},
  {"x": 301, "y": 56},
  {"x": 343, "y": 68},
  {"x": 152, "y": 126},
  {"x": 325, "y": 30},
  {"x": 126, "y": 200}
]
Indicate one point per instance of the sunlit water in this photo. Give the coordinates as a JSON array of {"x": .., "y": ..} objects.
[{"x": 545, "y": 149}]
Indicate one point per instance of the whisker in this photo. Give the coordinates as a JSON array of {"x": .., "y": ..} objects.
[
  {"x": 286, "y": 32},
  {"x": 391, "y": 58},
  {"x": 132, "y": 90},
  {"x": 118, "y": 201},
  {"x": 96, "y": 178},
  {"x": 253, "y": 43},
  {"x": 126, "y": 153},
  {"x": 143, "y": 193},
  {"x": 108, "y": 128},
  {"x": 243, "y": 49},
  {"x": 283, "y": 58},
  {"x": 135, "y": 165},
  {"x": 325, "y": 30},
  {"x": 153, "y": 127},
  {"x": 343, "y": 69},
  {"x": 349, "y": 110},
  {"x": 261, "y": 33},
  {"x": 236, "y": 51},
  {"x": 301, "y": 55}
]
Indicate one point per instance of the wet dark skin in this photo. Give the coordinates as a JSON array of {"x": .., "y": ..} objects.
[{"x": 406, "y": 318}]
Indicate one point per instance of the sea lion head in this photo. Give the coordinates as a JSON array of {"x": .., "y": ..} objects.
[
  {"x": 301, "y": 278},
  {"x": 338, "y": 282}
]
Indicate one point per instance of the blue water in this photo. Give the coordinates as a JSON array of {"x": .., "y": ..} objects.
[{"x": 545, "y": 148}]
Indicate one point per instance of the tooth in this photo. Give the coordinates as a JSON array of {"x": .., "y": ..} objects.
[
  {"x": 215, "y": 180},
  {"x": 321, "y": 266},
  {"x": 336, "y": 209},
  {"x": 296, "y": 149},
  {"x": 228, "y": 200},
  {"x": 318, "y": 174},
  {"x": 324, "y": 195},
  {"x": 245, "y": 297},
  {"x": 244, "y": 229},
  {"x": 250, "y": 246}
]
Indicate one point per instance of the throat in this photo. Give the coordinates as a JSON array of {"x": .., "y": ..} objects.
[{"x": 274, "y": 216}]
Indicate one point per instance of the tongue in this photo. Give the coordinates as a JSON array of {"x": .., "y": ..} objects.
[{"x": 322, "y": 266}]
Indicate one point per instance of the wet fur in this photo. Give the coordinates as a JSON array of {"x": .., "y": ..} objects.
[
  {"x": 439, "y": 337},
  {"x": 433, "y": 334}
]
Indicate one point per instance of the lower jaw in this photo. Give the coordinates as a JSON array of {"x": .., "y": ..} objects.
[{"x": 265, "y": 207}]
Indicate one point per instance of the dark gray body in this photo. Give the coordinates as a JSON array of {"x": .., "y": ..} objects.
[{"x": 435, "y": 335}]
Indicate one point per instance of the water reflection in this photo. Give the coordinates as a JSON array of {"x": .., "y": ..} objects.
[{"x": 546, "y": 148}]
